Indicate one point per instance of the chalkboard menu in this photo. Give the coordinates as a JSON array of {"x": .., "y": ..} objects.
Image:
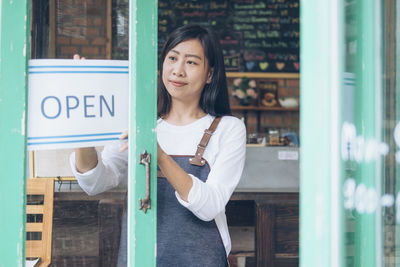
[{"x": 256, "y": 35}]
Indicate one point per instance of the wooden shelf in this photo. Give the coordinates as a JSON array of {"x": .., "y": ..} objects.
[
  {"x": 278, "y": 75},
  {"x": 260, "y": 108}
]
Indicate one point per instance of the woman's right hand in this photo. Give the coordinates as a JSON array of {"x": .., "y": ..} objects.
[{"x": 85, "y": 159}]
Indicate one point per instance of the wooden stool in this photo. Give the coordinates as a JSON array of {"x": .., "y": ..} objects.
[{"x": 44, "y": 206}]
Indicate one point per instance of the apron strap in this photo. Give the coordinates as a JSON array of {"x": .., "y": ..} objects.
[{"x": 201, "y": 147}]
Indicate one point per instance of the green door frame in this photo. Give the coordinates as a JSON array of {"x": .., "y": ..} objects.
[
  {"x": 142, "y": 226},
  {"x": 322, "y": 241},
  {"x": 369, "y": 125},
  {"x": 321, "y": 37},
  {"x": 14, "y": 55}
]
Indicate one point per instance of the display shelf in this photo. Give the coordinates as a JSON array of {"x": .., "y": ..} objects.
[
  {"x": 260, "y": 108},
  {"x": 279, "y": 75}
]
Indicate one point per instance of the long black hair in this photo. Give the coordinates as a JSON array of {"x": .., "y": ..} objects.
[{"x": 214, "y": 98}]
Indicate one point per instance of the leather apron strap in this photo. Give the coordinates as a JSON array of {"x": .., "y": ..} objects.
[{"x": 201, "y": 147}]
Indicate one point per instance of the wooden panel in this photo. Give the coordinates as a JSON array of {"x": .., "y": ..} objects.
[
  {"x": 240, "y": 213},
  {"x": 286, "y": 256},
  {"x": 52, "y": 30},
  {"x": 287, "y": 230},
  {"x": 36, "y": 187},
  {"x": 286, "y": 262},
  {"x": 287, "y": 242},
  {"x": 34, "y": 227},
  {"x": 41, "y": 248},
  {"x": 277, "y": 226},
  {"x": 243, "y": 240},
  {"x": 109, "y": 29},
  {"x": 48, "y": 220},
  {"x": 34, "y": 209},
  {"x": 268, "y": 197},
  {"x": 33, "y": 248},
  {"x": 287, "y": 216},
  {"x": 31, "y": 164},
  {"x": 265, "y": 224}
]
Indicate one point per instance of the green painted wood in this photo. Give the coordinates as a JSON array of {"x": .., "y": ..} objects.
[
  {"x": 314, "y": 110},
  {"x": 366, "y": 110},
  {"x": 143, "y": 114},
  {"x": 322, "y": 61},
  {"x": 14, "y": 47}
]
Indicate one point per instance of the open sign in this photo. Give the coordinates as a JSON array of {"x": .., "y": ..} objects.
[{"x": 76, "y": 103}]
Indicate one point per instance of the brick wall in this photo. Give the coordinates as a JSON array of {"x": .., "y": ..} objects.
[{"x": 81, "y": 28}]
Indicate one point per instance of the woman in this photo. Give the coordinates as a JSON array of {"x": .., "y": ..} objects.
[{"x": 201, "y": 153}]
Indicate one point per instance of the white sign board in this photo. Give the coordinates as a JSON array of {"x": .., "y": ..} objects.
[
  {"x": 288, "y": 155},
  {"x": 76, "y": 103}
]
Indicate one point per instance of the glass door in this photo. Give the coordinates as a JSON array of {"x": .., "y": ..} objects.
[
  {"x": 350, "y": 134},
  {"x": 362, "y": 146},
  {"x": 60, "y": 35}
]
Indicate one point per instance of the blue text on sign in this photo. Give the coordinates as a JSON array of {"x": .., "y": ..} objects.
[{"x": 71, "y": 103}]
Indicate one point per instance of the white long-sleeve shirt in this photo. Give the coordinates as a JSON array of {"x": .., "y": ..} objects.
[{"x": 225, "y": 153}]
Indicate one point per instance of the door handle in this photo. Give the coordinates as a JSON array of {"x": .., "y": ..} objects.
[{"x": 145, "y": 159}]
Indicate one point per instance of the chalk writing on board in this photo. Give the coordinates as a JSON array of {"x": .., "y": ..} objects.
[{"x": 255, "y": 35}]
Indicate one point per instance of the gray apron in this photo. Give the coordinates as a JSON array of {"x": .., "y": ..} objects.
[{"x": 182, "y": 238}]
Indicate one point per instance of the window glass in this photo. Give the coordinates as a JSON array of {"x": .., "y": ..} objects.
[
  {"x": 87, "y": 228},
  {"x": 371, "y": 205}
]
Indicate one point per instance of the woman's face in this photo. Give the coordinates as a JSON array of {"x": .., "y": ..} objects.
[{"x": 186, "y": 71}]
